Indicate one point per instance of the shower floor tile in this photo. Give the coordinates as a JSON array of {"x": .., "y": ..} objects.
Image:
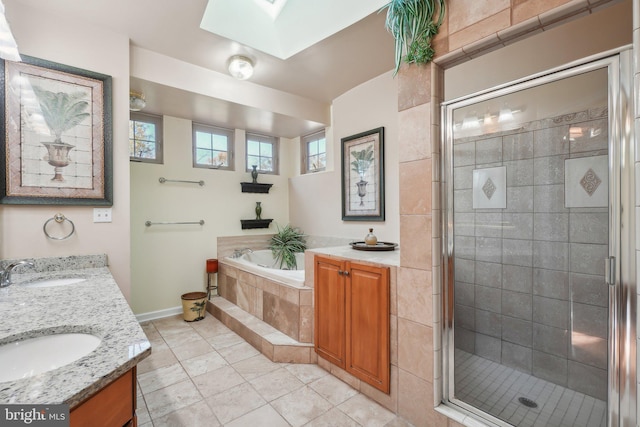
[{"x": 495, "y": 389}]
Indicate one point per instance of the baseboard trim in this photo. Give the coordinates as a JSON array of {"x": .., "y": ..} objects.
[{"x": 153, "y": 315}]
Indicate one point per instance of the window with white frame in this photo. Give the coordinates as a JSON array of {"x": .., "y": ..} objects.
[
  {"x": 314, "y": 152},
  {"x": 262, "y": 151},
  {"x": 212, "y": 147},
  {"x": 145, "y": 138}
]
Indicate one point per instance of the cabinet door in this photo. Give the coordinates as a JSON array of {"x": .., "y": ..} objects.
[
  {"x": 114, "y": 405},
  {"x": 329, "y": 310},
  {"x": 367, "y": 324}
]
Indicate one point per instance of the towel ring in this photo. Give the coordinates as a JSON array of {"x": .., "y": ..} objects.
[{"x": 59, "y": 218}]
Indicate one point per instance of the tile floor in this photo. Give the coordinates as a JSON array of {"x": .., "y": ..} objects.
[
  {"x": 203, "y": 374},
  {"x": 496, "y": 388}
]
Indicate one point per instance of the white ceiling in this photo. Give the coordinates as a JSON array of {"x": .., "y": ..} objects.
[
  {"x": 320, "y": 72},
  {"x": 283, "y": 28}
]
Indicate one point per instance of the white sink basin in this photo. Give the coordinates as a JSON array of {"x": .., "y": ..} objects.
[
  {"x": 26, "y": 358},
  {"x": 45, "y": 283}
]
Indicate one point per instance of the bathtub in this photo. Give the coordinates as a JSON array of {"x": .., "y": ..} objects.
[
  {"x": 277, "y": 297},
  {"x": 262, "y": 263}
]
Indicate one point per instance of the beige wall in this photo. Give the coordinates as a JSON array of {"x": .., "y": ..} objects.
[
  {"x": 316, "y": 198},
  {"x": 572, "y": 41},
  {"x": 161, "y": 69},
  {"x": 168, "y": 261},
  {"x": 72, "y": 43}
]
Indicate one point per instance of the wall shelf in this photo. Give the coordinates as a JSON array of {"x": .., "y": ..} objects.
[
  {"x": 251, "y": 187},
  {"x": 248, "y": 224}
]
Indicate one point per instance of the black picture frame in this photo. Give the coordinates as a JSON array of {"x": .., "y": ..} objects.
[
  {"x": 49, "y": 109},
  {"x": 363, "y": 176}
]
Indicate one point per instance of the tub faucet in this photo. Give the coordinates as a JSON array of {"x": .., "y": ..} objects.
[
  {"x": 237, "y": 253},
  {"x": 5, "y": 275}
]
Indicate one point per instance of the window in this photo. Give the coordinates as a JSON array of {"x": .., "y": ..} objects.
[
  {"x": 212, "y": 147},
  {"x": 262, "y": 151},
  {"x": 145, "y": 138},
  {"x": 314, "y": 153}
]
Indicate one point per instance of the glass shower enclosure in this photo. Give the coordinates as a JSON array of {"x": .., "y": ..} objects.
[{"x": 532, "y": 197}]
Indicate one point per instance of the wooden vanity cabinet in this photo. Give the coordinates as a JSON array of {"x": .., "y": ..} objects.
[
  {"x": 112, "y": 406},
  {"x": 329, "y": 312},
  {"x": 352, "y": 318}
]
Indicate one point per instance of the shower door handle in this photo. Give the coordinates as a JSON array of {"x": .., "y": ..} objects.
[{"x": 610, "y": 270}]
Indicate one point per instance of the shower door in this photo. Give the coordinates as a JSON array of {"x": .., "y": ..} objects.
[{"x": 533, "y": 195}]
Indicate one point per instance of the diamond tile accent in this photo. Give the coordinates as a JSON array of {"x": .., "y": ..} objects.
[
  {"x": 590, "y": 182},
  {"x": 586, "y": 182},
  {"x": 489, "y": 188}
]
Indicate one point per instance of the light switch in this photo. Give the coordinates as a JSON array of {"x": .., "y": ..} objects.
[{"x": 101, "y": 214}]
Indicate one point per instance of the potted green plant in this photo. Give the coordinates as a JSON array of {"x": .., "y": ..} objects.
[
  {"x": 285, "y": 244},
  {"x": 414, "y": 23}
]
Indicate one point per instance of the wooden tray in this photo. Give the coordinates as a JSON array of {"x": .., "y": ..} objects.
[{"x": 380, "y": 246}]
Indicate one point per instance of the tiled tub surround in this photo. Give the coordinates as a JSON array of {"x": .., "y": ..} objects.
[
  {"x": 263, "y": 264},
  {"x": 95, "y": 306},
  {"x": 281, "y": 303},
  {"x": 389, "y": 259},
  {"x": 529, "y": 284},
  {"x": 287, "y": 306}
]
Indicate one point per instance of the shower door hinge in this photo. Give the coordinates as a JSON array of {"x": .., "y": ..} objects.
[{"x": 610, "y": 270}]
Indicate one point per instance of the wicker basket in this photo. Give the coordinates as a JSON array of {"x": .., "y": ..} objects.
[{"x": 194, "y": 306}]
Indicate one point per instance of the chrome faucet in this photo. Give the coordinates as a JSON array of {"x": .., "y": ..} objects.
[
  {"x": 5, "y": 275},
  {"x": 237, "y": 253}
]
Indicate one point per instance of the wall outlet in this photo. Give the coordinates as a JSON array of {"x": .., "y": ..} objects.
[{"x": 101, "y": 214}]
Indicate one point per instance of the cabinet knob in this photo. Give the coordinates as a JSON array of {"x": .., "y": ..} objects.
[{"x": 345, "y": 273}]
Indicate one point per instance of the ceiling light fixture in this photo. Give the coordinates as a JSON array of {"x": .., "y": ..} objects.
[
  {"x": 240, "y": 67},
  {"x": 8, "y": 45},
  {"x": 136, "y": 101},
  {"x": 506, "y": 114},
  {"x": 470, "y": 121}
]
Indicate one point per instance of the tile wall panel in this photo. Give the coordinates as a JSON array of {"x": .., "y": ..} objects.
[
  {"x": 472, "y": 27},
  {"x": 516, "y": 269}
]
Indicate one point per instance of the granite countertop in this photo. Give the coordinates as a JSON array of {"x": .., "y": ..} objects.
[
  {"x": 94, "y": 306},
  {"x": 346, "y": 251}
]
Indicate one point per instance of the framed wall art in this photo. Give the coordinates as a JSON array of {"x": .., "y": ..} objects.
[
  {"x": 363, "y": 176},
  {"x": 56, "y": 122}
]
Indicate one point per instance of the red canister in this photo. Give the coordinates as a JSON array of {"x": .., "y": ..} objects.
[{"x": 212, "y": 266}]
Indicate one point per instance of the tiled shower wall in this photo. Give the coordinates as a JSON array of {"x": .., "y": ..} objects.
[
  {"x": 467, "y": 31},
  {"x": 529, "y": 279}
]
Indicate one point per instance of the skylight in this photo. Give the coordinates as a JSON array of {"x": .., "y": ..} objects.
[
  {"x": 283, "y": 31},
  {"x": 271, "y": 7}
]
